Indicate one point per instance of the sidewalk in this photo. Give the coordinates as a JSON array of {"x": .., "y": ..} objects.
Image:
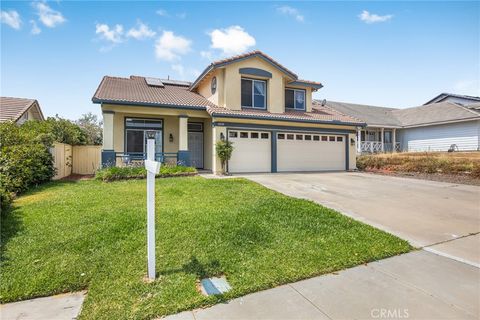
[{"x": 416, "y": 285}]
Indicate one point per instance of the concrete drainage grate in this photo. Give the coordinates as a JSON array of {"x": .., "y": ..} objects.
[{"x": 214, "y": 285}]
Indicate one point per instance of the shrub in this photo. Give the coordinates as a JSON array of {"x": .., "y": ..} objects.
[
  {"x": 135, "y": 172},
  {"x": 224, "y": 149}
]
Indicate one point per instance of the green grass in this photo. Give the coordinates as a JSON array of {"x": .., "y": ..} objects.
[{"x": 67, "y": 236}]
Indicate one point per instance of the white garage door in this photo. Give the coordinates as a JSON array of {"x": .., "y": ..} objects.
[
  {"x": 310, "y": 152},
  {"x": 251, "y": 151}
]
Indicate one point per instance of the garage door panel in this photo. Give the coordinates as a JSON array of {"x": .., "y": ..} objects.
[
  {"x": 251, "y": 153},
  {"x": 310, "y": 152}
]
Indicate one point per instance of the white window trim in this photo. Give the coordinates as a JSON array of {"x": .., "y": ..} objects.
[
  {"x": 295, "y": 100},
  {"x": 253, "y": 95}
]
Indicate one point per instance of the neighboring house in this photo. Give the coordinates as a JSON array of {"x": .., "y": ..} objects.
[
  {"x": 250, "y": 99},
  {"x": 457, "y": 98},
  {"x": 19, "y": 110},
  {"x": 432, "y": 127}
]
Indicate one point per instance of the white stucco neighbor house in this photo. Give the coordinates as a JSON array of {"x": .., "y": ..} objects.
[{"x": 448, "y": 121}]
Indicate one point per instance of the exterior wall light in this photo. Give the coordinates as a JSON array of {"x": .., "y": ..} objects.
[
  {"x": 170, "y": 137},
  {"x": 222, "y": 136}
]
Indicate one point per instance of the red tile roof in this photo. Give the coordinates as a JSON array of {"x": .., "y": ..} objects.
[
  {"x": 319, "y": 114},
  {"x": 134, "y": 90},
  {"x": 13, "y": 108}
]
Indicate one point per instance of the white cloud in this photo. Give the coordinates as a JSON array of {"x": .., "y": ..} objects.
[
  {"x": 35, "y": 29},
  {"x": 289, "y": 11},
  {"x": 170, "y": 47},
  {"x": 207, "y": 54},
  {"x": 141, "y": 32},
  {"x": 162, "y": 12},
  {"x": 180, "y": 70},
  {"x": 113, "y": 35},
  {"x": 469, "y": 87},
  {"x": 11, "y": 18},
  {"x": 182, "y": 15},
  {"x": 49, "y": 17},
  {"x": 232, "y": 40},
  {"x": 369, "y": 18}
]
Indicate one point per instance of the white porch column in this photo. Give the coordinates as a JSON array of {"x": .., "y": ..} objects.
[
  {"x": 183, "y": 133},
  {"x": 359, "y": 140},
  {"x": 394, "y": 138},
  {"x": 381, "y": 139},
  {"x": 108, "y": 130},
  {"x": 108, "y": 152}
]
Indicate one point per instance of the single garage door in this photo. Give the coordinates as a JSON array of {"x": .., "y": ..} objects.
[
  {"x": 310, "y": 152},
  {"x": 251, "y": 151}
]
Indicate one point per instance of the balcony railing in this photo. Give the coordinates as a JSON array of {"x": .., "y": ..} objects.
[
  {"x": 137, "y": 158},
  {"x": 376, "y": 147}
]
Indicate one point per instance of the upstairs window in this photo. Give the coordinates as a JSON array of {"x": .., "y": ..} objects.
[
  {"x": 295, "y": 99},
  {"x": 254, "y": 94}
]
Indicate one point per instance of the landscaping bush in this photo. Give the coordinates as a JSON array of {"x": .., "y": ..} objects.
[
  {"x": 135, "y": 172},
  {"x": 24, "y": 161}
]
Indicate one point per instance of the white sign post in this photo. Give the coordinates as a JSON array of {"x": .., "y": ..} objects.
[{"x": 153, "y": 167}]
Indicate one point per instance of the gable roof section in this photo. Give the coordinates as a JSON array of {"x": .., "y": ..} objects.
[
  {"x": 434, "y": 113},
  {"x": 249, "y": 55},
  {"x": 136, "y": 91},
  {"x": 13, "y": 108},
  {"x": 372, "y": 115},
  {"x": 443, "y": 96}
]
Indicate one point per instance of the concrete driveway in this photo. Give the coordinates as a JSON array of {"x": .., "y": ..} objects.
[{"x": 443, "y": 218}]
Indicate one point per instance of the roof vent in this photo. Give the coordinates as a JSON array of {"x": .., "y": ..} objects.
[
  {"x": 324, "y": 102},
  {"x": 154, "y": 82}
]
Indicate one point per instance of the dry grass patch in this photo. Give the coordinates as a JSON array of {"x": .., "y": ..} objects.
[{"x": 458, "y": 163}]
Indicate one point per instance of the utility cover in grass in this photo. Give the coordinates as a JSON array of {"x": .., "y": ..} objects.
[{"x": 213, "y": 286}]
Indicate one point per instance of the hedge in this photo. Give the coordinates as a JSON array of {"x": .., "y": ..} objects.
[{"x": 133, "y": 172}]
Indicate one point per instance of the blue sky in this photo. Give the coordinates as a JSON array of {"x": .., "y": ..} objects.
[{"x": 397, "y": 54}]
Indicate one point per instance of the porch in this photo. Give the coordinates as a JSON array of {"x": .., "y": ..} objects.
[
  {"x": 182, "y": 137},
  {"x": 377, "y": 140}
]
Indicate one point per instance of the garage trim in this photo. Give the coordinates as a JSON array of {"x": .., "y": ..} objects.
[{"x": 254, "y": 126}]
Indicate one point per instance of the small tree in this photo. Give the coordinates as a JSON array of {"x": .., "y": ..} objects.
[
  {"x": 92, "y": 128},
  {"x": 224, "y": 149}
]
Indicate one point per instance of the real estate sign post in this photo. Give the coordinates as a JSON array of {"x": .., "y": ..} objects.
[{"x": 153, "y": 167}]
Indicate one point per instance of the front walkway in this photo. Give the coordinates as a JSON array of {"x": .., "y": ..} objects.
[{"x": 416, "y": 285}]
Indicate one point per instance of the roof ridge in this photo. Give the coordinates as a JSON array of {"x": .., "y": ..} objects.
[{"x": 358, "y": 104}]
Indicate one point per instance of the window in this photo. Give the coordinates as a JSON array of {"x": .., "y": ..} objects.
[
  {"x": 331, "y": 138},
  {"x": 264, "y": 135},
  {"x": 243, "y": 134},
  {"x": 254, "y": 94},
  {"x": 254, "y": 135},
  {"x": 295, "y": 99},
  {"x": 299, "y": 137},
  {"x": 233, "y": 134},
  {"x": 308, "y": 137},
  {"x": 136, "y": 137},
  {"x": 290, "y": 136},
  {"x": 195, "y": 127},
  {"x": 316, "y": 138},
  {"x": 324, "y": 138},
  {"x": 281, "y": 136},
  {"x": 339, "y": 139}
]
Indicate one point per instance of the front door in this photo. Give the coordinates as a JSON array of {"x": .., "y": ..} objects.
[{"x": 195, "y": 144}]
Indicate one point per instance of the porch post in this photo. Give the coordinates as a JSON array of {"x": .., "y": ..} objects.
[
  {"x": 108, "y": 152},
  {"x": 183, "y": 152},
  {"x": 381, "y": 138},
  {"x": 394, "y": 138},
  {"x": 359, "y": 140}
]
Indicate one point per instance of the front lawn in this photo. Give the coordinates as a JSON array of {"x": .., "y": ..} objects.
[{"x": 67, "y": 236}]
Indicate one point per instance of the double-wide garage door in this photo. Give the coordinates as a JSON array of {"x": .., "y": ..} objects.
[{"x": 253, "y": 151}]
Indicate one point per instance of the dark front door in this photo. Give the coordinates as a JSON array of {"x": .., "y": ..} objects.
[{"x": 195, "y": 144}]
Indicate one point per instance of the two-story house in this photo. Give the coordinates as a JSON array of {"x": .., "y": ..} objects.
[{"x": 250, "y": 99}]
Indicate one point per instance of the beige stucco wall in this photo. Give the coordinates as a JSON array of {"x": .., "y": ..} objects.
[
  {"x": 228, "y": 94},
  {"x": 352, "y": 161}
]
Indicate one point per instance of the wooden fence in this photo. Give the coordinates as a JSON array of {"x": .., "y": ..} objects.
[{"x": 69, "y": 159}]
